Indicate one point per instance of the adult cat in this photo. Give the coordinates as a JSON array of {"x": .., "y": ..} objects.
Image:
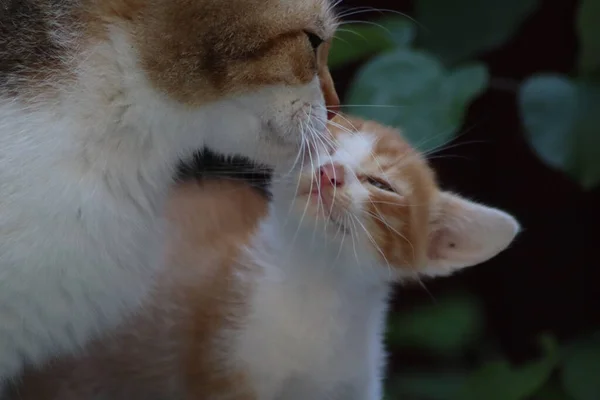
[
  {"x": 99, "y": 101},
  {"x": 290, "y": 302}
]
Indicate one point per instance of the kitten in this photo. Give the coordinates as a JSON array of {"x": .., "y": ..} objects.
[
  {"x": 99, "y": 101},
  {"x": 286, "y": 301}
]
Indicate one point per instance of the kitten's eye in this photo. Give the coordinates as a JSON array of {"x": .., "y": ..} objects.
[
  {"x": 379, "y": 184},
  {"x": 315, "y": 40}
]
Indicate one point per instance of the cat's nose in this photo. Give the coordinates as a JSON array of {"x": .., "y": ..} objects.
[{"x": 332, "y": 175}]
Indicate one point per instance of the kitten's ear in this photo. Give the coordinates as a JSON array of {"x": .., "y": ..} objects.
[{"x": 465, "y": 233}]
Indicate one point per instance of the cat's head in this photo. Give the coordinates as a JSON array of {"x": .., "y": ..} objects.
[
  {"x": 258, "y": 68},
  {"x": 375, "y": 193}
]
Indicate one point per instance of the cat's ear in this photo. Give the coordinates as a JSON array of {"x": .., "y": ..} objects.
[
  {"x": 332, "y": 99},
  {"x": 464, "y": 233}
]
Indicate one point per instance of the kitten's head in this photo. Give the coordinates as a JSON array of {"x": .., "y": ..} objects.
[
  {"x": 259, "y": 67},
  {"x": 376, "y": 192}
]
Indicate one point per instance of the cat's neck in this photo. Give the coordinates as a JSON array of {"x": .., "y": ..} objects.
[{"x": 306, "y": 252}]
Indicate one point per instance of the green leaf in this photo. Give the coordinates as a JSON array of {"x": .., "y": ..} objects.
[
  {"x": 413, "y": 91},
  {"x": 455, "y": 30},
  {"x": 561, "y": 118},
  {"x": 356, "y": 41},
  {"x": 551, "y": 391},
  {"x": 426, "y": 386},
  {"x": 501, "y": 381},
  {"x": 447, "y": 327},
  {"x": 581, "y": 370},
  {"x": 588, "y": 26}
]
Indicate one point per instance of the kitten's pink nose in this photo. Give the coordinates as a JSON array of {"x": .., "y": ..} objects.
[{"x": 332, "y": 175}]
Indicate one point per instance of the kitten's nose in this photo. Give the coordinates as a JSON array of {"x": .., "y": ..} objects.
[{"x": 332, "y": 175}]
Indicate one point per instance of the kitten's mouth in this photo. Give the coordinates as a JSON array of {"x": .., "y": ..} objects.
[{"x": 316, "y": 197}]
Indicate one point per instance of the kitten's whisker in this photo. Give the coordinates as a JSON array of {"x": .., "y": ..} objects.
[
  {"x": 381, "y": 218},
  {"x": 449, "y": 146},
  {"x": 337, "y": 257},
  {"x": 379, "y": 250},
  {"x": 422, "y": 284},
  {"x": 353, "y": 242}
]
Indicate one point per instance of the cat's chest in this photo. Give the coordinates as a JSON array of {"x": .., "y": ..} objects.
[{"x": 309, "y": 331}]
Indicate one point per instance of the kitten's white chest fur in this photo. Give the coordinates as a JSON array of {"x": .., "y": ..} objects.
[{"x": 315, "y": 328}]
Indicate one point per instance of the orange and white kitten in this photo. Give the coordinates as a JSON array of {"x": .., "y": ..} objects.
[
  {"x": 99, "y": 102},
  {"x": 287, "y": 300}
]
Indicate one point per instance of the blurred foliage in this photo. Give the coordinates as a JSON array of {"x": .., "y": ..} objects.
[
  {"x": 455, "y": 30},
  {"x": 562, "y": 120},
  {"x": 588, "y": 25},
  {"x": 460, "y": 316},
  {"x": 421, "y": 76},
  {"x": 433, "y": 100},
  {"x": 453, "y": 328}
]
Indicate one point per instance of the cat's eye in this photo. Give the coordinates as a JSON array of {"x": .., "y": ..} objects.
[
  {"x": 315, "y": 40},
  {"x": 379, "y": 184}
]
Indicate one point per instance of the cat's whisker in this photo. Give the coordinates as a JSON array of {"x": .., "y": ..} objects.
[
  {"x": 422, "y": 285},
  {"x": 449, "y": 146},
  {"x": 337, "y": 257},
  {"x": 352, "y": 232},
  {"x": 333, "y": 5},
  {"x": 369, "y": 105},
  {"x": 367, "y": 9},
  {"x": 322, "y": 138},
  {"x": 303, "y": 147},
  {"x": 307, "y": 203},
  {"x": 340, "y": 39},
  {"x": 446, "y": 145},
  {"x": 392, "y": 229},
  {"x": 341, "y": 127},
  {"x": 393, "y": 203},
  {"x": 315, "y": 138},
  {"x": 352, "y": 32},
  {"x": 451, "y": 156},
  {"x": 372, "y": 240},
  {"x": 366, "y": 23}
]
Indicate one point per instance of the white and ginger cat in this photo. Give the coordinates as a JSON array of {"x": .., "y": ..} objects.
[
  {"x": 286, "y": 301},
  {"x": 99, "y": 101}
]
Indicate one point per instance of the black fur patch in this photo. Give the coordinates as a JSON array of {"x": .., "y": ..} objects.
[{"x": 210, "y": 165}]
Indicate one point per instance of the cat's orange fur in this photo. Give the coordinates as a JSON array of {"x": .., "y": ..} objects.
[
  {"x": 198, "y": 51},
  {"x": 180, "y": 345},
  {"x": 210, "y": 219}
]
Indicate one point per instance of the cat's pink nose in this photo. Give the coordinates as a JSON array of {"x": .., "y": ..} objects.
[{"x": 332, "y": 175}]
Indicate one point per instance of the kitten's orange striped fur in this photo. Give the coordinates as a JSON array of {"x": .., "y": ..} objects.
[{"x": 287, "y": 301}]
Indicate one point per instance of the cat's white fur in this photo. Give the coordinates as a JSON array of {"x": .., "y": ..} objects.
[
  {"x": 84, "y": 175},
  {"x": 318, "y": 309}
]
